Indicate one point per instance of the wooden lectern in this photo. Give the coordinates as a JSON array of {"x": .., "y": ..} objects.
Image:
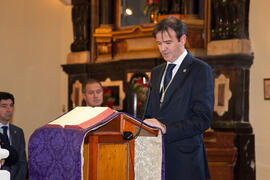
[
  {"x": 109, "y": 155},
  {"x": 87, "y": 144}
]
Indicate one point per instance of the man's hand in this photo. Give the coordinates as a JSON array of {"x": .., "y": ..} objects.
[{"x": 155, "y": 123}]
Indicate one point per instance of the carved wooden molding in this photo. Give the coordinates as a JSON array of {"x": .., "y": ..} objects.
[
  {"x": 136, "y": 31},
  {"x": 230, "y": 46},
  {"x": 133, "y": 42},
  {"x": 136, "y": 42}
]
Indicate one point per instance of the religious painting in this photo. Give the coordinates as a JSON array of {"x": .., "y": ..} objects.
[
  {"x": 267, "y": 89},
  {"x": 113, "y": 93},
  {"x": 111, "y": 96}
]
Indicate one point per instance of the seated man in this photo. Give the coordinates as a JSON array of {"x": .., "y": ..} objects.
[
  {"x": 12, "y": 139},
  {"x": 93, "y": 93}
]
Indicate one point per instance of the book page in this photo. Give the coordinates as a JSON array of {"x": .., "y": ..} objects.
[{"x": 78, "y": 115}]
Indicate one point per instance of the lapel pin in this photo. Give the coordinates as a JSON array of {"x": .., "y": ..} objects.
[
  {"x": 184, "y": 70},
  {"x": 15, "y": 132}
]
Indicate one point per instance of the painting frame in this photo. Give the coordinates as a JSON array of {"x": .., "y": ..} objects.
[
  {"x": 121, "y": 94},
  {"x": 266, "y": 83}
]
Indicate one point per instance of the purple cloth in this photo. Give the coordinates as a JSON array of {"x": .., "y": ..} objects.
[
  {"x": 55, "y": 153},
  {"x": 163, "y": 160}
]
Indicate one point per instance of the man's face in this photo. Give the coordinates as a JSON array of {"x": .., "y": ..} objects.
[
  {"x": 93, "y": 95},
  {"x": 6, "y": 110},
  {"x": 169, "y": 46}
]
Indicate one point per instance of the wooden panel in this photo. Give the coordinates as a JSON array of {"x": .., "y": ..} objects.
[
  {"x": 93, "y": 154},
  {"x": 221, "y": 154},
  {"x": 113, "y": 161},
  {"x": 131, "y": 128},
  {"x": 85, "y": 160},
  {"x": 128, "y": 126},
  {"x": 113, "y": 126},
  {"x": 118, "y": 139},
  {"x": 150, "y": 131},
  {"x": 112, "y": 153},
  {"x": 221, "y": 171},
  {"x": 219, "y": 139}
]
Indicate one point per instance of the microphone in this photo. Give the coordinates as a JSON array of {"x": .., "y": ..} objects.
[
  {"x": 147, "y": 99},
  {"x": 127, "y": 135},
  {"x": 146, "y": 105}
]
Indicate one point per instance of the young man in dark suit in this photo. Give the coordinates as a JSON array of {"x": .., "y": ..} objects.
[
  {"x": 12, "y": 139},
  {"x": 180, "y": 103}
]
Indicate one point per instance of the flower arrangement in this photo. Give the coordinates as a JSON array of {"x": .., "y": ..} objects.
[
  {"x": 108, "y": 100},
  {"x": 140, "y": 87},
  {"x": 151, "y": 5}
]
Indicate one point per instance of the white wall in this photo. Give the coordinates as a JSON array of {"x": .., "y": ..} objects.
[
  {"x": 259, "y": 29},
  {"x": 35, "y": 36}
]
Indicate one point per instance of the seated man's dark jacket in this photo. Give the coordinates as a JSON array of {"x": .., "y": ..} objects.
[{"x": 13, "y": 155}]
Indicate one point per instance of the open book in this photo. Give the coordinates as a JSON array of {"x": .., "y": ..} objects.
[{"x": 82, "y": 117}]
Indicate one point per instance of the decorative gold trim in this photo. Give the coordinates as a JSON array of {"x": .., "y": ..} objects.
[{"x": 127, "y": 33}]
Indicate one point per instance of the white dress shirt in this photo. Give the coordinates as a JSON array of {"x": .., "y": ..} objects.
[
  {"x": 1, "y": 130},
  {"x": 177, "y": 62}
]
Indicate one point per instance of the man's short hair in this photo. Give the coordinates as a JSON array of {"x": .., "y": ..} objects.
[
  {"x": 171, "y": 22},
  {"x": 6, "y": 95},
  {"x": 90, "y": 81}
]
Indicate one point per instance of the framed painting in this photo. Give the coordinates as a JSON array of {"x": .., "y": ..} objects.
[
  {"x": 267, "y": 89},
  {"x": 114, "y": 94}
]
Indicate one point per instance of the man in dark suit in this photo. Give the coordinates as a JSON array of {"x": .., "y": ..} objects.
[
  {"x": 12, "y": 139},
  {"x": 180, "y": 103}
]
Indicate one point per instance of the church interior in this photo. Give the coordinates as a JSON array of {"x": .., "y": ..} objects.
[{"x": 49, "y": 48}]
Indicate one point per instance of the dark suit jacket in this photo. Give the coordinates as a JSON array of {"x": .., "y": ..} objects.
[
  {"x": 17, "y": 170},
  {"x": 186, "y": 111},
  {"x": 13, "y": 155}
]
